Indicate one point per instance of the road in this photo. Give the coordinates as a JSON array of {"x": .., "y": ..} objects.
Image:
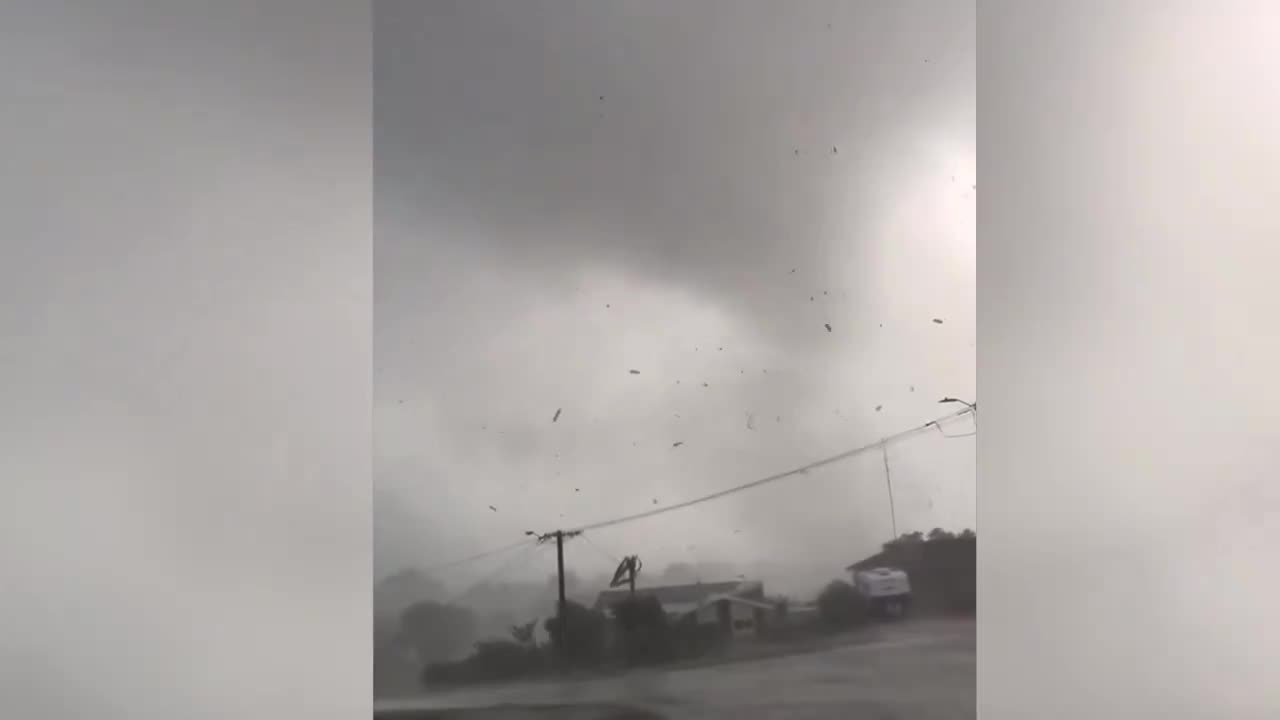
[{"x": 921, "y": 670}]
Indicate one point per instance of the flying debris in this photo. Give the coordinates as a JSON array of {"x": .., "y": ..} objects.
[
  {"x": 493, "y": 508},
  {"x": 937, "y": 321},
  {"x": 557, "y": 415},
  {"x": 751, "y": 421},
  {"x": 793, "y": 270},
  {"x": 677, "y": 444},
  {"x": 913, "y": 388},
  {"x": 827, "y": 326},
  {"x": 835, "y": 150},
  {"x": 810, "y": 298},
  {"x": 655, "y": 501},
  {"x": 705, "y": 385},
  {"x": 879, "y": 407},
  {"x": 635, "y": 372},
  {"x": 577, "y": 489}
]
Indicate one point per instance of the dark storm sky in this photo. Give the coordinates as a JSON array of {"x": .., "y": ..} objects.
[{"x": 566, "y": 191}]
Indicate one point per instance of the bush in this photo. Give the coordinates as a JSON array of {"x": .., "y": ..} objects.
[
  {"x": 437, "y": 631},
  {"x": 643, "y": 629},
  {"x": 582, "y": 641},
  {"x": 493, "y": 660},
  {"x": 840, "y": 605}
]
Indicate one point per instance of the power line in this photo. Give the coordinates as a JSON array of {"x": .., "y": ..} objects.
[
  {"x": 502, "y": 569},
  {"x": 607, "y": 555},
  {"x": 478, "y": 556},
  {"x": 779, "y": 476}
]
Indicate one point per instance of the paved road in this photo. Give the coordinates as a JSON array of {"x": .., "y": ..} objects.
[{"x": 923, "y": 670}]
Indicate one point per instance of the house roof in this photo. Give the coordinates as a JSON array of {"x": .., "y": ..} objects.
[
  {"x": 669, "y": 595},
  {"x": 680, "y": 608},
  {"x": 757, "y": 604}
]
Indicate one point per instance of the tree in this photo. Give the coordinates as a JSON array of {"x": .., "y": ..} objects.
[
  {"x": 581, "y": 640},
  {"x": 643, "y": 626},
  {"x": 940, "y": 534},
  {"x": 393, "y": 669},
  {"x": 911, "y": 537},
  {"x": 395, "y": 593},
  {"x": 968, "y": 534},
  {"x": 437, "y": 631},
  {"x": 840, "y": 605}
]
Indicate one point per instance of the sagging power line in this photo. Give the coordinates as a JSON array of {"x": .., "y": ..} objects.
[
  {"x": 529, "y": 548},
  {"x": 477, "y": 556},
  {"x": 540, "y": 538},
  {"x": 779, "y": 476}
]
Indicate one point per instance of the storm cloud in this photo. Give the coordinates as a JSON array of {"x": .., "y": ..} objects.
[{"x": 567, "y": 191}]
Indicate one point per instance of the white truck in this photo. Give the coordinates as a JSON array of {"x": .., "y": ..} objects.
[{"x": 887, "y": 591}]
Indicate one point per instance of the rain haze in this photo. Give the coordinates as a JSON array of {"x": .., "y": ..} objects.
[{"x": 628, "y": 254}]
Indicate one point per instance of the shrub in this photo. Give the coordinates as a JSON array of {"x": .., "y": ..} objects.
[
  {"x": 493, "y": 660},
  {"x": 582, "y": 640},
  {"x": 643, "y": 629},
  {"x": 437, "y": 631},
  {"x": 840, "y": 605}
]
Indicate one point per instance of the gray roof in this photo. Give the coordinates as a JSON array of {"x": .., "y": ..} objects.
[{"x": 670, "y": 594}]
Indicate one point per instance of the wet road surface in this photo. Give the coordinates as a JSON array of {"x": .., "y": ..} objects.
[{"x": 921, "y": 670}]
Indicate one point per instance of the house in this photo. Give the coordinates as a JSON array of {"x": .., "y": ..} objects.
[
  {"x": 741, "y": 616},
  {"x": 739, "y": 607}
]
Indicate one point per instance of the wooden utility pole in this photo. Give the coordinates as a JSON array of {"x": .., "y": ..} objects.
[
  {"x": 888, "y": 481},
  {"x": 560, "y": 576},
  {"x": 561, "y": 619}
]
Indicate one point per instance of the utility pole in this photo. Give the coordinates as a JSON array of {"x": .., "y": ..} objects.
[
  {"x": 626, "y": 573},
  {"x": 560, "y": 577},
  {"x": 888, "y": 481},
  {"x": 560, "y": 536}
]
